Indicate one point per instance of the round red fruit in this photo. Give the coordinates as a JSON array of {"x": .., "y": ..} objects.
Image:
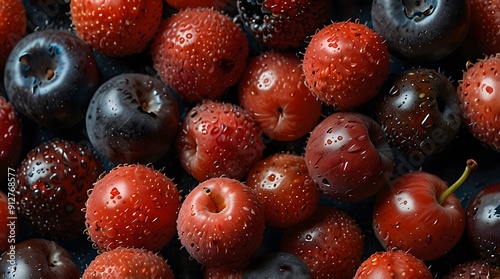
[
  {"x": 330, "y": 242},
  {"x": 132, "y": 206},
  {"x": 12, "y": 139},
  {"x": 346, "y": 64},
  {"x": 184, "y": 4},
  {"x": 479, "y": 92},
  {"x": 116, "y": 28},
  {"x": 219, "y": 139},
  {"x": 12, "y": 26},
  {"x": 420, "y": 214},
  {"x": 349, "y": 157},
  {"x": 200, "y": 53},
  {"x": 393, "y": 264},
  {"x": 272, "y": 89},
  {"x": 221, "y": 222},
  {"x": 285, "y": 189},
  {"x": 51, "y": 186},
  {"x": 484, "y": 30},
  {"x": 128, "y": 263}
]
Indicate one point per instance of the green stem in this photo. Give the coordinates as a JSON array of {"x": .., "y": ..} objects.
[{"x": 470, "y": 166}]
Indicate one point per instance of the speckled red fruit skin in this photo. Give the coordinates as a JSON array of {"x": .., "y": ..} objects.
[
  {"x": 128, "y": 263},
  {"x": 346, "y": 64},
  {"x": 393, "y": 264},
  {"x": 407, "y": 216},
  {"x": 200, "y": 53},
  {"x": 285, "y": 189},
  {"x": 330, "y": 242},
  {"x": 221, "y": 222},
  {"x": 12, "y": 140},
  {"x": 12, "y": 27},
  {"x": 119, "y": 27},
  {"x": 479, "y": 92},
  {"x": 272, "y": 89},
  {"x": 484, "y": 31},
  {"x": 348, "y": 156},
  {"x": 218, "y": 139},
  {"x": 132, "y": 206},
  {"x": 51, "y": 187}
]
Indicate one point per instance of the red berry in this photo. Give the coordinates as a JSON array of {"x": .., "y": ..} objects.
[
  {"x": 272, "y": 89},
  {"x": 221, "y": 222},
  {"x": 51, "y": 186},
  {"x": 484, "y": 31},
  {"x": 116, "y": 28},
  {"x": 345, "y": 64},
  {"x": 128, "y": 263},
  {"x": 219, "y": 139},
  {"x": 12, "y": 26},
  {"x": 132, "y": 206},
  {"x": 11, "y": 142},
  {"x": 393, "y": 264},
  {"x": 479, "y": 92},
  {"x": 285, "y": 189},
  {"x": 330, "y": 242},
  {"x": 200, "y": 53}
]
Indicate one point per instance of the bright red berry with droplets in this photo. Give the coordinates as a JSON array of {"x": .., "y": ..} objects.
[
  {"x": 119, "y": 27},
  {"x": 330, "y": 242},
  {"x": 132, "y": 206},
  {"x": 346, "y": 64},
  {"x": 285, "y": 188},
  {"x": 128, "y": 263},
  {"x": 272, "y": 89},
  {"x": 200, "y": 53},
  {"x": 393, "y": 264},
  {"x": 51, "y": 186},
  {"x": 12, "y": 140},
  {"x": 12, "y": 26},
  {"x": 479, "y": 92},
  {"x": 218, "y": 139}
]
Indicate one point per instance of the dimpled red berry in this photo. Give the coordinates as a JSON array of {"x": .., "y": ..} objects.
[
  {"x": 479, "y": 92},
  {"x": 345, "y": 64},
  {"x": 200, "y": 53}
]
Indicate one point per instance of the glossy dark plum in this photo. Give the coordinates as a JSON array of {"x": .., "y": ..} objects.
[
  {"x": 38, "y": 258},
  {"x": 483, "y": 222},
  {"x": 51, "y": 187},
  {"x": 420, "y": 113},
  {"x": 133, "y": 118},
  {"x": 421, "y": 29},
  {"x": 283, "y": 24},
  {"x": 278, "y": 265},
  {"x": 50, "y": 76}
]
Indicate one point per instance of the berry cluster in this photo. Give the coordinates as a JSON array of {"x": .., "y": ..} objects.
[{"x": 250, "y": 139}]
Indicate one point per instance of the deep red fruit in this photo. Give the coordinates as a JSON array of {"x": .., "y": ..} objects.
[
  {"x": 51, "y": 186},
  {"x": 472, "y": 269},
  {"x": 284, "y": 24},
  {"x": 116, "y": 28},
  {"x": 418, "y": 214},
  {"x": 484, "y": 30},
  {"x": 348, "y": 156},
  {"x": 132, "y": 206},
  {"x": 12, "y": 140},
  {"x": 12, "y": 27},
  {"x": 479, "y": 92},
  {"x": 345, "y": 64},
  {"x": 221, "y": 222},
  {"x": 393, "y": 264},
  {"x": 330, "y": 242},
  {"x": 128, "y": 263},
  {"x": 218, "y": 139},
  {"x": 200, "y": 53},
  {"x": 272, "y": 89},
  {"x": 285, "y": 189}
]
